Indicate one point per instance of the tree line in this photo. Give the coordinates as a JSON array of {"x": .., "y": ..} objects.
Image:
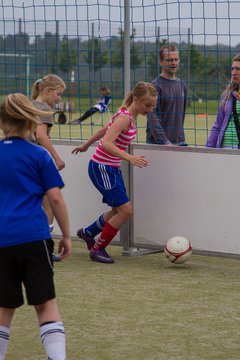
[{"x": 205, "y": 69}]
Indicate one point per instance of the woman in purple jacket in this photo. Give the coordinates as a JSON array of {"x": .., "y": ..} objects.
[{"x": 225, "y": 132}]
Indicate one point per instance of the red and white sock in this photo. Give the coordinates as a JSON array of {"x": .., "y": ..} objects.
[{"x": 108, "y": 233}]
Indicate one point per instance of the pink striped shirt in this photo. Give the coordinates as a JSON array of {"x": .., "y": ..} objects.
[{"x": 101, "y": 156}]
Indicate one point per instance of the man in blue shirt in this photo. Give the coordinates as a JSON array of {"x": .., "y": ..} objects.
[{"x": 165, "y": 125}]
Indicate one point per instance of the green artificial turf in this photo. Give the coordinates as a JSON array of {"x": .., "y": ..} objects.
[{"x": 140, "y": 308}]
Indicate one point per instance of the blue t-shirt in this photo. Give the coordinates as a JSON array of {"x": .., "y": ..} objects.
[
  {"x": 103, "y": 104},
  {"x": 27, "y": 172}
]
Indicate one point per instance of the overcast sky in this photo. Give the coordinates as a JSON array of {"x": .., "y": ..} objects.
[{"x": 209, "y": 21}]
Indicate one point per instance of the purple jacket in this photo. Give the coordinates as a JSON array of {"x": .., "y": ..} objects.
[{"x": 215, "y": 138}]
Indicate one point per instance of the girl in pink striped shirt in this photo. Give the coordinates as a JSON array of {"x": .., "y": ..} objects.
[{"x": 105, "y": 168}]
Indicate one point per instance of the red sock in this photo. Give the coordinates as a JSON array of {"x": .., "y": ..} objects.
[{"x": 106, "y": 237}]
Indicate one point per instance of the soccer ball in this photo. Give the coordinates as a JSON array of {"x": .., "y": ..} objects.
[{"x": 178, "y": 250}]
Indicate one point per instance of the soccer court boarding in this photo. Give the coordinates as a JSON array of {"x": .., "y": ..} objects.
[{"x": 189, "y": 192}]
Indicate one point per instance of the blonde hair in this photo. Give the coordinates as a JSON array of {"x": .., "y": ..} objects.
[
  {"x": 18, "y": 115},
  {"x": 139, "y": 91},
  {"x": 230, "y": 87},
  {"x": 51, "y": 80}
]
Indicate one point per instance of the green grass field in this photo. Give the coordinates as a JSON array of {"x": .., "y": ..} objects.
[
  {"x": 198, "y": 122},
  {"x": 140, "y": 308}
]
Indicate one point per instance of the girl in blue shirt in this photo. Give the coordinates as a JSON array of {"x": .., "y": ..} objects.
[{"x": 27, "y": 174}]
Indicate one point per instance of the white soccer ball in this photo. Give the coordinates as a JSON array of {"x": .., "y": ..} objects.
[{"x": 178, "y": 250}]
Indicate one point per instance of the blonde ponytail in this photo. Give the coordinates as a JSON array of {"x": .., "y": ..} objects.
[
  {"x": 17, "y": 114},
  {"x": 51, "y": 81},
  {"x": 139, "y": 91}
]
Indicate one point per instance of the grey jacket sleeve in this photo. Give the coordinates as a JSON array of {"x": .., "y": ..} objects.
[{"x": 155, "y": 128}]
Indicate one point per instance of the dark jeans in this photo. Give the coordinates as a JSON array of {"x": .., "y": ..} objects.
[{"x": 88, "y": 113}]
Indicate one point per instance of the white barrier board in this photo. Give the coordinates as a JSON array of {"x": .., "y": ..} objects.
[
  {"x": 195, "y": 194},
  {"x": 190, "y": 192}
]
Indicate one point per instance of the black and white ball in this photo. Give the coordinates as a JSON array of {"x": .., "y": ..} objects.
[{"x": 178, "y": 250}]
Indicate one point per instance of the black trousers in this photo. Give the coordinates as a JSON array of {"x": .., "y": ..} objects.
[{"x": 88, "y": 113}]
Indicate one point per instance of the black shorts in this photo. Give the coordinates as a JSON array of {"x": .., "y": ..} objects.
[{"x": 30, "y": 265}]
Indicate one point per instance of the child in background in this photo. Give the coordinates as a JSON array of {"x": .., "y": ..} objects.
[
  {"x": 104, "y": 168},
  {"x": 102, "y": 106},
  {"x": 28, "y": 172},
  {"x": 46, "y": 93}
]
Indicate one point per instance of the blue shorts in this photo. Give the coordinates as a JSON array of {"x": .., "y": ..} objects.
[{"x": 109, "y": 181}]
